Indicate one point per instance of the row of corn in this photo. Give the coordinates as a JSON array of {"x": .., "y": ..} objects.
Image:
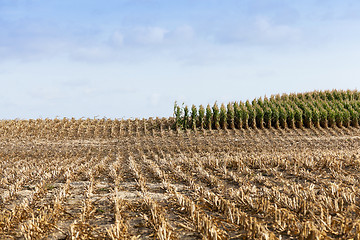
[{"x": 310, "y": 109}]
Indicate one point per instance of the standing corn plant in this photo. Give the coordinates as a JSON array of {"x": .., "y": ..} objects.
[
  {"x": 274, "y": 116},
  {"x": 251, "y": 114},
  {"x": 230, "y": 116},
  {"x": 208, "y": 117},
  {"x": 290, "y": 121},
  {"x": 237, "y": 116},
  {"x": 315, "y": 118},
  {"x": 354, "y": 117},
  {"x": 307, "y": 117},
  {"x": 331, "y": 118},
  {"x": 282, "y": 117},
  {"x": 186, "y": 118},
  {"x": 194, "y": 117},
  {"x": 216, "y": 116},
  {"x": 201, "y": 117},
  {"x": 346, "y": 118},
  {"x": 259, "y": 117},
  {"x": 267, "y": 117},
  {"x": 244, "y": 116},
  {"x": 223, "y": 117},
  {"x": 298, "y": 118},
  {"x": 339, "y": 118},
  {"x": 178, "y": 117}
]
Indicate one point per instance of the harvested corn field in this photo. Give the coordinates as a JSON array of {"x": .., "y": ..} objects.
[{"x": 142, "y": 182}]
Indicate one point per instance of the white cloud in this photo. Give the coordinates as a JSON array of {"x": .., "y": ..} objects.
[
  {"x": 117, "y": 39},
  {"x": 271, "y": 32},
  {"x": 150, "y": 35},
  {"x": 92, "y": 54},
  {"x": 185, "y": 32}
]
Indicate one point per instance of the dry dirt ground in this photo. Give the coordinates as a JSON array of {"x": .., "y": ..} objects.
[{"x": 235, "y": 184}]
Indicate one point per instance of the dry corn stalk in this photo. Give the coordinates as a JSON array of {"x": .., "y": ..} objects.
[{"x": 119, "y": 230}]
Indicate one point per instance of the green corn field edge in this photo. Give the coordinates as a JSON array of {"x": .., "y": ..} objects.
[{"x": 298, "y": 110}]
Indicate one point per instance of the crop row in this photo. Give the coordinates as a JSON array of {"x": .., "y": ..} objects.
[
  {"x": 83, "y": 128},
  {"x": 311, "y": 109}
]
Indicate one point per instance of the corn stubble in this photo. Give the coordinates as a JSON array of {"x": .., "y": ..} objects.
[{"x": 287, "y": 169}]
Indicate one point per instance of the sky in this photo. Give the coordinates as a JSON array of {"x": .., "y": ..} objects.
[{"x": 135, "y": 58}]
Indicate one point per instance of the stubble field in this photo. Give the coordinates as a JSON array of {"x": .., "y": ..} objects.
[{"x": 185, "y": 184}]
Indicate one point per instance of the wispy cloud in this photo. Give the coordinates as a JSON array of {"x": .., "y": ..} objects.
[
  {"x": 116, "y": 39},
  {"x": 148, "y": 35},
  {"x": 268, "y": 32}
]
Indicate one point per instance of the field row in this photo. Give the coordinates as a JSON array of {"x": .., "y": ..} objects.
[
  {"x": 110, "y": 130},
  {"x": 83, "y": 128}
]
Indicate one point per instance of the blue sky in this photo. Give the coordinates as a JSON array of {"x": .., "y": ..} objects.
[{"x": 135, "y": 58}]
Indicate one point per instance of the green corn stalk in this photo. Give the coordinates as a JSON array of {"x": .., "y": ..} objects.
[
  {"x": 231, "y": 116},
  {"x": 322, "y": 95},
  {"x": 290, "y": 116},
  {"x": 346, "y": 104},
  {"x": 285, "y": 97},
  {"x": 315, "y": 118},
  {"x": 354, "y": 117},
  {"x": 267, "y": 117},
  {"x": 186, "y": 118},
  {"x": 178, "y": 118},
  {"x": 260, "y": 102},
  {"x": 329, "y": 96},
  {"x": 331, "y": 118},
  {"x": 193, "y": 117},
  {"x": 292, "y": 97},
  {"x": 349, "y": 95},
  {"x": 343, "y": 95},
  {"x": 244, "y": 116},
  {"x": 259, "y": 118},
  {"x": 277, "y": 98},
  {"x": 354, "y": 105},
  {"x": 308, "y": 96},
  {"x": 267, "y": 102},
  {"x": 274, "y": 116},
  {"x": 299, "y": 97},
  {"x": 307, "y": 117},
  {"x": 252, "y": 118},
  {"x": 216, "y": 116},
  {"x": 251, "y": 115},
  {"x": 208, "y": 117},
  {"x": 223, "y": 117},
  {"x": 336, "y": 95},
  {"x": 354, "y": 95},
  {"x": 201, "y": 117},
  {"x": 298, "y": 118},
  {"x": 237, "y": 116},
  {"x": 339, "y": 118},
  {"x": 346, "y": 117},
  {"x": 315, "y": 95},
  {"x": 282, "y": 117},
  {"x": 326, "y": 105},
  {"x": 254, "y": 102},
  {"x": 338, "y": 105}
]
